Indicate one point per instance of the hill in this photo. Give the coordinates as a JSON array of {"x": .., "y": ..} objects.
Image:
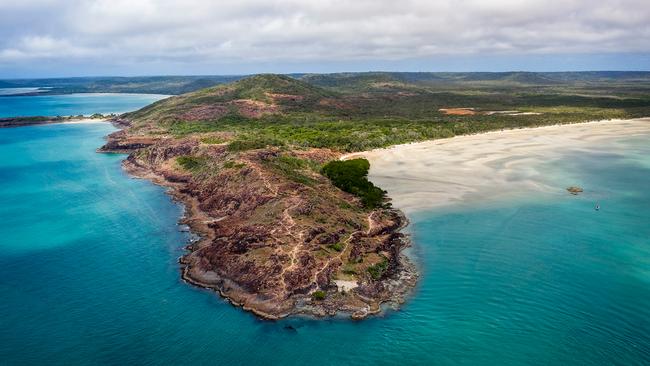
[
  {"x": 284, "y": 231},
  {"x": 248, "y": 98},
  {"x": 359, "y": 111},
  {"x": 615, "y": 82},
  {"x": 286, "y": 227}
]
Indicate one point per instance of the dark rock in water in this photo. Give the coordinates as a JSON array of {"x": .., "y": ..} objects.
[
  {"x": 574, "y": 190},
  {"x": 290, "y": 328}
]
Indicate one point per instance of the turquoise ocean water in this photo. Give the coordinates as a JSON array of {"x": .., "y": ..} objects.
[
  {"x": 89, "y": 273},
  {"x": 73, "y": 104}
]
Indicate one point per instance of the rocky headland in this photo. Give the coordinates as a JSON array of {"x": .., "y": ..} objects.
[{"x": 277, "y": 237}]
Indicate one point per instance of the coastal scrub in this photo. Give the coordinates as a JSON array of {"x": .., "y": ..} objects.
[{"x": 352, "y": 176}]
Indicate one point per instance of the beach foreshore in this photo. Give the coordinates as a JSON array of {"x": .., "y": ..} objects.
[{"x": 430, "y": 174}]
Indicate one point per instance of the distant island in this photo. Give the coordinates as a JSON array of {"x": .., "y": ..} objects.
[
  {"x": 45, "y": 120},
  {"x": 286, "y": 226}
]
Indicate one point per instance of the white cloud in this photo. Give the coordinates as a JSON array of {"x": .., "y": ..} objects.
[
  {"x": 326, "y": 30},
  {"x": 30, "y": 47}
]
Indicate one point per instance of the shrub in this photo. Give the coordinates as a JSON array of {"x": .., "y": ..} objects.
[
  {"x": 338, "y": 246},
  {"x": 183, "y": 128},
  {"x": 377, "y": 270},
  {"x": 233, "y": 118},
  {"x": 188, "y": 162},
  {"x": 252, "y": 143},
  {"x": 319, "y": 295},
  {"x": 231, "y": 164},
  {"x": 352, "y": 176},
  {"x": 349, "y": 269},
  {"x": 292, "y": 168}
]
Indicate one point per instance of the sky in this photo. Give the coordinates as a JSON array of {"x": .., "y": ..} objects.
[{"x": 56, "y": 38}]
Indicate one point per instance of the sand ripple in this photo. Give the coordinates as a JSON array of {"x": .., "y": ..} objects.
[{"x": 465, "y": 168}]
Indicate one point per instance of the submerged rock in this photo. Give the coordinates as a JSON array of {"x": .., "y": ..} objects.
[{"x": 574, "y": 190}]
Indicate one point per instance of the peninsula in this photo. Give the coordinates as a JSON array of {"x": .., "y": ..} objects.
[
  {"x": 285, "y": 229},
  {"x": 286, "y": 226}
]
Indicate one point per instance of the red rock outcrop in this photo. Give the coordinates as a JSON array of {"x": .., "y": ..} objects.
[{"x": 271, "y": 238}]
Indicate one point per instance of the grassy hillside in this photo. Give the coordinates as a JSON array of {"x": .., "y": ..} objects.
[
  {"x": 246, "y": 100},
  {"x": 352, "y": 112},
  {"x": 597, "y": 82},
  {"x": 282, "y": 217}
]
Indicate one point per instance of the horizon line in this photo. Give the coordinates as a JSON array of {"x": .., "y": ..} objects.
[{"x": 324, "y": 73}]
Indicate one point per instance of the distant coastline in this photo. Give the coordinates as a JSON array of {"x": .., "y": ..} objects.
[
  {"x": 23, "y": 91},
  {"x": 43, "y": 120},
  {"x": 50, "y": 107}
]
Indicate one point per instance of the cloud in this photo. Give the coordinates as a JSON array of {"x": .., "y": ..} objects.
[
  {"x": 30, "y": 47},
  {"x": 195, "y": 31}
]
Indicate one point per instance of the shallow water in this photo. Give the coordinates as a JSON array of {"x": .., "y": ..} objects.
[
  {"x": 74, "y": 104},
  {"x": 89, "y": 273},
  {"x": 20, "y": 90}
]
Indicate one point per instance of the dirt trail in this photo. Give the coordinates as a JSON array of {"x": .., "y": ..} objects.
[{"x": 288, "y": 224}]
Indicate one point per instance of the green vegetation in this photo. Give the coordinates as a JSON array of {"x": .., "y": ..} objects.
[
  {"x": 356, "y": 112},
  {"x": 191, "y": 163},
  {"x": 319, "y": 295},
  {"x": 259, "y": 87},
  {"x": 551, "y": 83},
  {"x": 292, "y": 168},
  {"x": 232, "y": 165},
  {"x": 349, "y": 270},
  {"x": 253, "y": 142},
  {"x": 360, "y": 111},
  {"x": 596, "y": 83},
  {"x": 337, "y": 246},
  {"x": 181, "y": 129},
  {"x": 212, "y": 140},
  {"x": 377, "y": 270},
  {"x": 352, "y": 176}
]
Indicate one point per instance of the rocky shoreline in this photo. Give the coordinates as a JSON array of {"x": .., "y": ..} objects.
[{"x": 204, "y": 264}]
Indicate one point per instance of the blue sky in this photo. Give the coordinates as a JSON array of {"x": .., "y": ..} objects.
[{"x": 50, "y": 38}]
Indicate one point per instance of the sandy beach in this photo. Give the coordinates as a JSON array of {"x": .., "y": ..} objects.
[
  {"x": 436, "y": 173},
  {"x": 85, "y": 121}
]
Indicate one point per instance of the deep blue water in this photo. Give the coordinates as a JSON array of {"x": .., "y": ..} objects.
[
  {"x": 73, "y": 104},
  {"x": 89, "y": 274}
]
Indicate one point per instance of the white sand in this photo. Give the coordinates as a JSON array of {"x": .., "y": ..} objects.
[
  {"x": 344, "y": 285},
  {"x": 85, "y": 121},
  {"x": 465, "y": 168},
  {"x": 73, "y": 122}
]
